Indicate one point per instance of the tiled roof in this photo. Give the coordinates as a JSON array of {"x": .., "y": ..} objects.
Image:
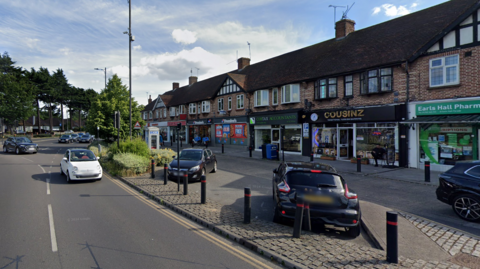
[
  {"x": 198, "y": 91},
  {"x": 150, "y": 106}
]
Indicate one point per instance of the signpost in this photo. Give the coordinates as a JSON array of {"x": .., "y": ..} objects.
[{"x": 137, "y": 126}]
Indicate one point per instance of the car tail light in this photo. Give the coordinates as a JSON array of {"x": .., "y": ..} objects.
[
  {"x": 316, "y": 171},
  {"x": 354, "y": 221},
  {"x": 283, "y": 187},
  {"x": 350, "y": 195}
]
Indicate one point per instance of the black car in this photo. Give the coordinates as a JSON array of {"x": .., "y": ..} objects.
[
  {"x": 194, "y": 162},
  {"x": 75, "y": 137},
  {"x": 85, "y": 139},
  {"x": 329, "y": 199},
  {"x": 65, "y": 139},
  {"x": 19, "y": 145},
  {"x": 460, "y": 188}
]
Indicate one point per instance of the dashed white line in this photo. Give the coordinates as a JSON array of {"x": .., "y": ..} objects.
[
  {"x": 27, "y": 159},
  {"x": 42, "y": 168},
  {"x": 48, "y": 186},
  {"x": 52, "y": 229}
]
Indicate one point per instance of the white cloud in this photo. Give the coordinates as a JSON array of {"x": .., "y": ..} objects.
[
  {"x": 31, "y": 42},
  {"x": 184, "y": 36},
  {"x": 394, "y": 11},
  {"x": 65, "y": 51},
  {"x": 71, "y": 72},
  {"x": 137, "y": 47},
  {"x": 376, "y": 10}
]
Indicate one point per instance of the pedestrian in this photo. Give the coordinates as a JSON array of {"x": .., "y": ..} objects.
[
  {"x": 161, "y": 140},
  {"x": 377, "y": 153}
]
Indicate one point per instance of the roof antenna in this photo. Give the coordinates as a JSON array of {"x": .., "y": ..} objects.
[
  {"x": 197, "y": 70},
  {"x": 249, "y": 52},
  {"x": 335, "y": 15},
  {"x": 344, "y": 16},
  {"x": 191, "y": 72}
]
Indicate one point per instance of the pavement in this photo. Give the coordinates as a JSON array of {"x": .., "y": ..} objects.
[{"x": 421, "y": 243}]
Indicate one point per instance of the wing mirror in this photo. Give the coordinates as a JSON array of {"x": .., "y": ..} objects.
[
  {"x": 64, "y": 159},
  {"x": 98, "y": 158}
]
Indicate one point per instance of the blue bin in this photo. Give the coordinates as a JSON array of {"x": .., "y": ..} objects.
[{"x": 272, "y": 151}]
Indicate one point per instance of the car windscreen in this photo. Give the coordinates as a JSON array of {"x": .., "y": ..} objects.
[
  {"x": 23, "y": 140},
  {"x": 191, "y": 155},
  {"x": 302, "y": 178},
  {"x": 86, "y": 136},
  {"x": 82, "y": 156},
  {"x": 65, "y": 136}
]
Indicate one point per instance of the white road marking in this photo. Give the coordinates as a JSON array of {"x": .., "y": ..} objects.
[
  {"x": 27, "y": 159},
  {"x": 52, "y": 229},
  {"x": 48, "y": 186},
  {"x": 42, "y": 168}
]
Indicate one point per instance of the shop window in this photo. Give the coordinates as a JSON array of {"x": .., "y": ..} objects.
[
  {"x": 275, "y": 96},
  {"x": 192, "y": 109},
  {"x": 375, "y": 81},
  {"x": 444, "y": 71},
  {"x": 261, "y": 98},
  {"x": 291, "y": 93},
  {"x": 240, "y": 101},
  {"x": 326, "y": 88},
  {"x": 349, "y": 85},
  {"x": 229, "y": 103},
  {"x": 205, "y": 106},
  {"x": 292, "y": 139}
]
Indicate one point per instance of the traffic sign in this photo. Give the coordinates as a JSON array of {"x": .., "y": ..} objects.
[{"x": 137, "y": 126}]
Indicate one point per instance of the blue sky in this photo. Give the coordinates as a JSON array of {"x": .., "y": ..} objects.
[{"x": 172, "y": 37}]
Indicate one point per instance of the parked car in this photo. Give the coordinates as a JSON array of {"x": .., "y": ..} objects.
[
  {"x": 69, "y": 132},
  {"x": 194, "y": 162},
  {"x": 75, "y": 137},
  {"x": 460, "y": 188},
  {"x": 65, "y": 139},
  {"x": 80, "y": 164},
  {"x": 85, "y": 139},
  {"x": 330, "y": 200},
  {"x": 81, "y": 134},
  {"x": 19, "y": 145}
]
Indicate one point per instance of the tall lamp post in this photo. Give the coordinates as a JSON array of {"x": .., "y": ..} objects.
[
  {"x": 130, "y": 39},
  {"x": 105, "y": 70}
]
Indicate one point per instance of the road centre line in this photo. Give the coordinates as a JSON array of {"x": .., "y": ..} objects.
[
  {"x": 204, "y": 234},
  {"x": 52, "y": 229},
  {"x": 48, "y": 186},
  {"x": 27, "y": 159},
  {"x": 42, "y": 168}
]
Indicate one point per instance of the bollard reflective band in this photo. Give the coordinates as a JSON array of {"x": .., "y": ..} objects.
[
  {"x": 307, "y": 206},
  {"x": 392, "y": 223},
  {"x": 299, "y": 205},
  {"x": 427, "y": 165},
  {"x": 248, "y": 195},
  {"x": 204, "y": 181}
]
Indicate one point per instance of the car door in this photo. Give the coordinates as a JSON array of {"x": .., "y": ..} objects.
[
  {"x": 276, "y": 179},
  {"x": 13, "y": 143},
  {"x": 64, "y": 163},
  {"x": 208, "y": 161},
  {"x": 7, "y": 144}
]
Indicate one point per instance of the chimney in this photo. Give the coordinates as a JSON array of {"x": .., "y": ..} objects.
[
  {"x": 176, "y": 85},
  {"x": 149, "y": 99},
  {"x": 243, "y": 62},
  {"x": 343, "y": 28},
  {"x": 192, "y": 80}
]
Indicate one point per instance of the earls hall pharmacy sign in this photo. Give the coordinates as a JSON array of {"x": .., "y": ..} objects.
[{"x": 446, "y": 108}]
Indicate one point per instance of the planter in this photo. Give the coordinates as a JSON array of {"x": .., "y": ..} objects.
[{"x": 330, "y": 158}]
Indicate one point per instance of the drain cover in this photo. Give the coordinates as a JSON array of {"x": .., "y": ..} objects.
[{"x": 466, "y": 260}]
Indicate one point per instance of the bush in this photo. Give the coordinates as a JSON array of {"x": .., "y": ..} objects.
[
  {"x": 94, "y": 148},
  {"x": 162, "y": 156},
  {"x": 136, "y": 146},
  {"x": 128, "y": 164}
]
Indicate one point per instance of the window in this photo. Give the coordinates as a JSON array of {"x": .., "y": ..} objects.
[
  {"x": 182, "y": 109},
  {"x": 150, "y": 115},
  {"x": 375, "y": 81},
  {"x": 291, "y": 93},
  {"x": 205, "y": 106},
  {"x": 326, "y": 88},
  {"x": 229, "y": 103},
  {"x": 275, "y": 96},
  {"x": 172, "y": 112},
  {"x": 444, "y": 71},
  {"x": 240, "y": 101},
  {"x": 177, "y": 111},
  {"x": 165, "y": 112},
  {"x": 474, "y": 171},
  {"x": 145, "y": 115},
  {"x": 349, "y": 85},
  {"x": 228, "y": 87},
  {"x": 192, "y": 109},
  {"x": 220, "y": 104},
  {"x": 261, "y": 98},
  {"x": 156, "y": 114}
]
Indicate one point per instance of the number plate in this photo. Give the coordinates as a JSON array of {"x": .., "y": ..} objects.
[{"x": 319, "y": 199}]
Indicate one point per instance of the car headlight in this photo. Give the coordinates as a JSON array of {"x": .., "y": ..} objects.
[
  {"x": 75, "y": 169},
  {"x": 99, "y": 168},
  {"x": 195, "y": 168}
]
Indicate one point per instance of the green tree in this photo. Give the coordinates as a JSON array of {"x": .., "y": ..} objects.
[
  {"x": 61, "y": 90},
  {"x": 114, "y": 98}
]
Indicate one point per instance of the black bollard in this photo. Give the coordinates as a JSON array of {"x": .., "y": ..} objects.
[
  {"x": 250, "y": 149},
  {"x": 181, "y": 144},
  {"x": 427, "y": 171},
  {"x": 247, "y": 214},
  {"x": 297, "y": 226},
  {"x": 359, "y": 164},
  {"x": 223, "y": 150},
  {"x": 165, "y": 174},
  {"x": 153, "y": 168},
  {"x": 185, "y": 183},
  {"x": 278, "y": 154},
  {"x": 203, "y": 193},
  {"x": 171, "y": 141},
  {"x": 311, "y": 156},
  {"x": 307, "y": 224},
  {"x": 392, "y": 237}
]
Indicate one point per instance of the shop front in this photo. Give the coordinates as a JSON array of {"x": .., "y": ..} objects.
[
  {"x": 444, "y": 133},
  {"x": 231, "y": 131},
  {"x": 199, "y": 129},
  {"x": 348, "y": 133},
  {"x": 172, "y": 131},
  {"x": 280, "y": 129},
  {"x": 163, "y": 128}
]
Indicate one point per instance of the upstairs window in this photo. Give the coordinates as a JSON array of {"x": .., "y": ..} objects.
[
  {"x": 156, "y": 114},
  {"x": 205, "y": 106},
  {"x": 375, "y": 81},
  {"x": 172, "y": 112},
  {"x": 275, "y": 96},
  {"x": 150, "y": 115},
  {"x": 145, "y": 115},
  {"x": 444, "y": 71},
  {"x": 182, "y": 109},
  {"x": 349, "y": 85},
  {"x": 228, "y": 87},
  {"x": 240, "y": 101},
  {"x": 164, "y": 112},
  {"x": 261, "y": 98},
  {"x": 192, "y": 109},
  {"x": 326, "y": 88},
  {"x": 291, "y": 93},
  {"x": 229, "y": 103},
  {"x": 220, "y": 104}
]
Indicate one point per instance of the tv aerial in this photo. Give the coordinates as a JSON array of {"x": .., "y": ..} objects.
[
  {"x": 344, "y": 15},
  {"x": 335, "y": 13}
]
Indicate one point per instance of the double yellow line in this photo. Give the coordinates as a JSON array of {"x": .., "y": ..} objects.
[{"x": 249, "y": 259}]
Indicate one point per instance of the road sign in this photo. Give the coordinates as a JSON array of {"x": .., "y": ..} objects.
[{"x": 137, "y": 126}]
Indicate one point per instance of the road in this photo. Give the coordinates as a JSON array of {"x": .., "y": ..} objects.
[{"x": 47, "y": 223}]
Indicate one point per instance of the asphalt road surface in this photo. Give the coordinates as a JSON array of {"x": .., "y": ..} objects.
[{"x": 47, "y": 223}]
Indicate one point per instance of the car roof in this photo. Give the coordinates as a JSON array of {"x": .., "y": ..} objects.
[
  {"x": 302, "y": 166},
  {"x": 80, "y": 149}
]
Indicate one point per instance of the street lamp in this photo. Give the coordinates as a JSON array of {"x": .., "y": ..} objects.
[
  {"x": 130, "y": 39},
  {"x": 104, "y": 69}
]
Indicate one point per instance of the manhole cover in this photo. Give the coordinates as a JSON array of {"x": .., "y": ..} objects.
[{"x": 466, "y": 260}]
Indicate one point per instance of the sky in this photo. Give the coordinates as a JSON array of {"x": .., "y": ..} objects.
[{"x": 173, "y": 39}]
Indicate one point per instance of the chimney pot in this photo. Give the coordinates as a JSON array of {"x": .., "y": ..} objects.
[
  {"x": 344, "y": 27},
  {"x": 192, "y": 79},
  {"x": 149, "y": 99},
  {"x": 243, "y": 62}
]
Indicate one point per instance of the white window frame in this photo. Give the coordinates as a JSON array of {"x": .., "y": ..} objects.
[
  {"x": 220, "y": 104},
  {"x": 172, "y": 112},
  {"x": 192, "y": 109},
  {"x": 229, "y": 103},
  {"x": 150, "y": 114},
  {"x": 156, "y": 114},
  {"x": 182, "y": 109},
  {"x": 145, "y": 115},
  {"x": 444, "y": 68},
  {"x": 292, "y": 88},
  {"x": 240, "y": 101},
  {"x": 262, "y": 97},
  {"x": 275, "y": 98},
  {"x": 165, "y": 112},
  {"x": 205, "y": 106}
]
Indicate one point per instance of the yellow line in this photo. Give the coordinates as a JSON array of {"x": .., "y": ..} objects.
[{"x": 186, "y": 224}]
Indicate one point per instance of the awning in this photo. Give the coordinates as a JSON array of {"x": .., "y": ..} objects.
[{"x": 467, "y": 118}]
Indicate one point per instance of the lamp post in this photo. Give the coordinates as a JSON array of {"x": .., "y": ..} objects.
[
  {"x": 105, "y": 70},
  {"x": 130, "y": 39}
]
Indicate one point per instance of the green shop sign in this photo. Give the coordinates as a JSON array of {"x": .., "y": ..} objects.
[
  {"x": 289, "y": 118},
  {"x": 460, "y": 107}
]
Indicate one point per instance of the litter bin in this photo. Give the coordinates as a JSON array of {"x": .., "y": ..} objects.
[
  {"x": 264, "y": 151},
  {"x": 272, "y": 151}
]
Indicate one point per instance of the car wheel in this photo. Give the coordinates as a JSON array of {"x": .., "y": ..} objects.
[
  {"x": 4, "y": 149},
  {"x": 17, "y": 151},
  {"x": 277, "y": 218},
  {"x": 467, "y": 207},
  {"x": 214, "y": 167},
  {"x": 354, "y": 231},
  {"x": 68, "y": 177}
]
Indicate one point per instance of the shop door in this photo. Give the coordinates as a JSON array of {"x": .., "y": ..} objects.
[
  {"x": 276, "y": 137},
  {"x": 343, "y": 144}
]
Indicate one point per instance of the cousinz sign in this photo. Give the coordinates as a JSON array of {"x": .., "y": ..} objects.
[{"x": 384, "y": 113}]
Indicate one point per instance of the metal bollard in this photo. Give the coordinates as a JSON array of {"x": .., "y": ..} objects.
[
  {"x": 181, "y": 143},
  {"x": 223, "y": 150},
  {"x": 185, "y": 183},
  {"x": 311, "y": 156},
  {"x": 171, "y": 141},
  {"x": 247, "y": 214},
  {"x": 297, "y": 226},
  {"x": 307, "y": 224},
  {"x": 165, "y": 172},
  {"x": 203, "y": 192},
  {"x": 427, "y": 171},
  {"x": 392, "y": 237},
  {"x": 153, "y": 168},
  {"x": 250, "y": 149},
  {"x": 359, "y": 164}
]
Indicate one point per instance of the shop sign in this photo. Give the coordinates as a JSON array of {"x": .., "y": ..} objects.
[
  {"x": 306, "y": 130},
  {"x": 229, "y": 121},
  {"x": 455, "y": 129},
  {"x": 242, "y": 119},
  {"x": 385, "y": 113},
  {"x": 445, "y": 108},
  {"x": 174, "y": 123},
  {"x": 200, "y": 122},
  {"x": 288, "y": 118}
]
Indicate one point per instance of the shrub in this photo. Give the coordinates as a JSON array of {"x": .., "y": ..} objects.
[
  {"x": 128, "y": 164},
  {"x": 136, "y": 146},
  {"x": 162, "y": 156},
  {"x": 94, "y": 147}
]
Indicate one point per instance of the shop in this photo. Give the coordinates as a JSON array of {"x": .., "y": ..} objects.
[
  {"x": 280, "y": 129},
  {"x": 231, "y": 131},
  {"x": 172, "y": 131},
  {"x": 351, "y": 132},
  {"x": 163, "y": 128},
  {"x": 444, "y": 133},
  {"x": 199, "y": 128}
]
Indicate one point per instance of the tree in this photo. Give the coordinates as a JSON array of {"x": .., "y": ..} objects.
[
  {"x": 61, "y": 90},
  {"x": 114, "y": 98}
]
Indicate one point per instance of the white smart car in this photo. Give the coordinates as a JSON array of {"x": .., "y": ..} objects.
[{"x": 80, "y": 164}]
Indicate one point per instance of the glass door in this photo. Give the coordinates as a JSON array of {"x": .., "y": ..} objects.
[
  {"x": 276, "y": 137},
  {"x": 343, "y": 144}
]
